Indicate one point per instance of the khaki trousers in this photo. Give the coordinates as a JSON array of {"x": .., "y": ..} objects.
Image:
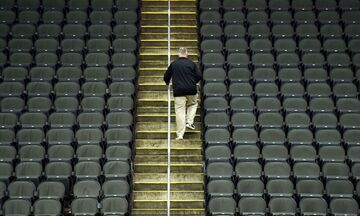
[{"x": 185, "y": 110}]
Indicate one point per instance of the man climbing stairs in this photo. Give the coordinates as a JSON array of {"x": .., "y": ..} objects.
[{"x": 150, "y": 163}]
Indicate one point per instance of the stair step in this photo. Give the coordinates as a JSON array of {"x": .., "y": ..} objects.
[
  {"x": 164, "y": 16},
  {"x": 164, "y": 42},
  {"x": 156, "y": 35},
  {"x": 165, "y": 22},
  {"x": 174, "y": 29},
  {"x": 173, "y": 212},
  {"x": 174, "y": 168},
  {"x": 179, "y": 181},
  {"x": 158, "y": 117},
  {"x": 155, "y": 56},
  {"x": 175, "y": 50},
  {"x": 164, "y": 158},
  {"x": 163, "y": 10},
  {"x": 162, "y": 126}
]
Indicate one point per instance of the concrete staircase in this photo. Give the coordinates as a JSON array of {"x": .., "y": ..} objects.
[{"x": 150, "y": 163}]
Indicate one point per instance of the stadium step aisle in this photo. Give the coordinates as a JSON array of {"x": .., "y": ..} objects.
[{"x": 150, "y": 163}]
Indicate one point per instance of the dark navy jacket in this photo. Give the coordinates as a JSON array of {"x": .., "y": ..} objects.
[{"x": 185, "y": 74}]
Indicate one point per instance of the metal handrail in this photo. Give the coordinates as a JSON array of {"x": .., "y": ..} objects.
[{"x": 169, "y": 117}]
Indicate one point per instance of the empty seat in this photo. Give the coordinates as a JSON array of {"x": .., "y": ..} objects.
[
  {"x": 250, "y": 188},
  {"x": 71, "y": 59},
  {"x": 308, "y": 170},
  {"x": 313, "y": 206},
  {"x": 7, "y": 153},
  {"x": 69, "y": 74},
  {"x": 297, "y": 120},
  {"x": 209, "y": 5},
  {"x": 350, "y": 120},
  {"x": 114, "y": 205},
  {"x": 210, "y": 17},
  {"x": 50, "y": 189},
  {"x": 222, "y": 205},
  {"x": 240, "y": 89},
  {"x": 58, "y": 171},
  {"x": 116, "y": 169},
  {"x": 119, "y": 119},
  {"x": 345, "y": 206},
  {"x": 18, "y": 74},
  {"x": 89, "y": 136},
  {"x": 328, "y": 137},
  {"x": 218, "y": 153},
  {"x": 7, "y": 136},
  {"x": 86, "y": 188},
  {"x": 301, "y": 17},
  {"x": 125, "y": 31},
  {"x": 309, "y": 188},
  {"x": 30, "y": 136},
  {"x": 17, "y": 207},
  {"x": 274, "y": 153},
  {"x": 120, "y": 103},
  {"x": 93, "y": 104},
  {"x": 11, "y": 89},
  {"x": 87, "y": 170},
  {"x": 266, "y": 89},
  {"x": 229, "y": 5},
  {"x": 39, "y": 104},
  {"x": 66, "y": 104},
  {"x": 310, "y": 45},
  {"x": 123, "y": 60},
  {"x": 28, "y": 170},
  {"x": 216, "y": 119},
  {"x": 244, "y": 136},
  {"x": 8, "y": 120},
  {"x": 339, "y": 188},
  {"x": 331, "y": 154},
  {"x": 252, "y": 205},
  {"x": 84, "y": 206},
  {"x": 89, "y": 152},
  {"x": 94, "y": 89},
  {"x": 76, "y": 17},
  {"x": 60, "y": 153},
  {"x": 118, "y": 152},
  {"x": 115, "y": 188},
  {"x": 241, "y": 119},
  {"x": 323, "y": 104},
  {"x": 237, "y": 104},
  {"x": 216, "y": 170},
  {"x": 280, "y": 188},
  {"x": 335, "y": 171},
  {"x": 32, "y": 153},
  {"x": 295, "y": 105},
  {"x": 49, "y": 31},
  {"x": 272, "y": 136},
  {"x": 213, "y": 60},
  {"x": 72, "y": 45},
  {"x": 99, "y": 31},
  {"x": 300, "y": 153},
  {"x": 121, "y": 74},
  {"x": 251, "y": 169},
  {"x": 47, "y": 206},
  {"x": 282, "y": 205},
  {"x": 52, "y": 17},
  {"x": 277, "y": 170},
  {"x": 338, "y": 75},
  {"x": 351, "y": 137},
  {"x": 38, "y": 89},
  {"x": 325, "y": 120},
  {"x": 214, "y": 74},
  {"x": 21, "y": 190},
  {"x": 270, "y": 120},
  {"x": 348, "y": 105},
  {"x": 292, "y": 90},
  {"x": 46, "y": 45},
  {"x": 42, "y": 74},
  {"x": 300, "y": 136},
  {"x": 124, "y": 45},
  {"x": 221, "y": 187},
  {"x": 126, "y": 5},
  {"x": 126, "y": 17},
  {"x": 71, "y": 89},
  {"x": 60, "y": 136},
  {"x": 118, "y": 136},
  {"x": 312, "y": 75}
]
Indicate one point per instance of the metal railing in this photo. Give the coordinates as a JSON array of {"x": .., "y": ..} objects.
[{"x": 169, "y": 116}]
